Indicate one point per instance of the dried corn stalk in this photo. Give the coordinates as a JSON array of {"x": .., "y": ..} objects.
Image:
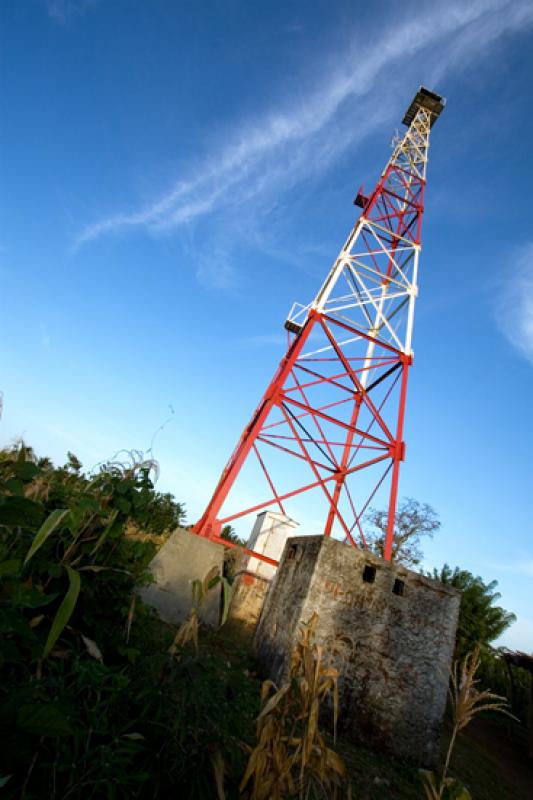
[
  {"x": 291, "y": 756},
  {"x": 188, "y": 630}
]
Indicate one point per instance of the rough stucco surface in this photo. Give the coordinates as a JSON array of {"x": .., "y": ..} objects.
[
  {"x": 181, "y": 560},
  {"x": 249, "y": 592},
  {"x": 393, "y": 652}
]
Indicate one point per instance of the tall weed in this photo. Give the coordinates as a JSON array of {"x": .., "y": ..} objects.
[
  {"x": 292, "y": 757},
  {"x": 91, "y": 703},
  {"x": 466, "y": 703}
]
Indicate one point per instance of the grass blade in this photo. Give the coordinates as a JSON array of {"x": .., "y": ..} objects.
[
  {"x": 105, "y": 533},
  {"x": 46, "y": 529},
  {"x": 218, "y": 769},
  {"x": 64, "y": 612}
]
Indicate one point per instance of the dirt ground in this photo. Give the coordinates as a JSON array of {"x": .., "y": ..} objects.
[
  {"x": 490, "y": 756},
  {"x": 494, "y": 764}
]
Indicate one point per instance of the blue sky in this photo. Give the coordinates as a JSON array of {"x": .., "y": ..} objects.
[{"x": 175, "y": 175}]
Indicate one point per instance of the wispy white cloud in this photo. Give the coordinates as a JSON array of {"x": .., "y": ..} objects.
[
  {"x": 274, "y": 152},
  {"x": 522, "y": 566},
  {"x": 515, "y": 307},
  {"x": 63, "y": 11},
  {"x": 215, "y": 268},
  {"x": 496, "y": 21}
]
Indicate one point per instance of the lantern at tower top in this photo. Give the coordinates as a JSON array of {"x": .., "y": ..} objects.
[
  {"x": 432, "y": 102},
  {"x": 372, "y": 283}
]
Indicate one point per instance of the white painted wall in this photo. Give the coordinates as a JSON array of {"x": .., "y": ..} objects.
[{"x": 269, "y": 534}]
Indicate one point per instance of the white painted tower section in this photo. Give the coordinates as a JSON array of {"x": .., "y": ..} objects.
[
  {"x": 354, "y": 290},
  {"x": 269, "y": 534}
]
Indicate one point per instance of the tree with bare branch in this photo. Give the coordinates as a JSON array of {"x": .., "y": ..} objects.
[{"x": 413, "y": 521}]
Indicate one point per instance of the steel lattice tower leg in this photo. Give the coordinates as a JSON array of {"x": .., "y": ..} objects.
[{"x": 336, "y": 404}]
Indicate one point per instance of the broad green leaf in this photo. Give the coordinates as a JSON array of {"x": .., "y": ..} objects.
[
  {"x": 43, "y": 719},
  {"x": 76, "y": 517},
  {"x": 197, "y": 592},
  {"x": 64, "y": 612},
  {"x": 10, "y": 567},
  {"x": 89, "y": 503},
  {"x": 15, "y": 486},
  {"x": 26, "y": 470},
  {"x": 455, "y": 790},
  {"x": 30, "y": 597},
  {"x": 54, "y": 569},
  {"x": 4, "y": 779},
  {"x": 16, "y": 510},
  {"x": 212, "y": 582},
  {"x": 123, "y": 504},
  {"x": 105, "y": 533},
  {"x": 46, "y": 529}
]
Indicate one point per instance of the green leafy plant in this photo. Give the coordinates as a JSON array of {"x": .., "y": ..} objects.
[
  {"x": 92, "y": 705},
  {"x": 67, "y": 574},
  {"x": 188, "y": 630},
  {"x": 481, "y": 621}
]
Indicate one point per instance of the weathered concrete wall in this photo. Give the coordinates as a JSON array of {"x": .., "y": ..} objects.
[
  {"x": 390, "y": 631},
  {"x": 182, "y": 560},
  {"x": 249, "y": 592}
]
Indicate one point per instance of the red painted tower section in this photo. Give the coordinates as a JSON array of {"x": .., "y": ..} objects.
[{"x": 330, "y": 423}]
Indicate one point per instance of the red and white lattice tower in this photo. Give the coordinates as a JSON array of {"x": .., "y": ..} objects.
[{"x": 331, "y": 421}]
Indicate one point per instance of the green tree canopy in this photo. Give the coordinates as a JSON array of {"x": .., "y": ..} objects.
[
  {"x": 480, "y": 621},
  {"x": 230, "y": 535}
]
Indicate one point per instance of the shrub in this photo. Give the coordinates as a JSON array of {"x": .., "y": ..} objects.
[{"x": 92, "y": 704}]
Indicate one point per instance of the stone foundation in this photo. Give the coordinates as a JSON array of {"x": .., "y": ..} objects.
[
  {"x": 249, "y": 594},
  {"x": 390, "y": 633}
]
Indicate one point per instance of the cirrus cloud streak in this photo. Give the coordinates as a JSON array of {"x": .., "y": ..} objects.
[{"x": 268, "y": 155}]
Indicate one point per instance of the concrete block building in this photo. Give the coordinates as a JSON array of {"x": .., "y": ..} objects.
[{"x": 389, "y": 631}]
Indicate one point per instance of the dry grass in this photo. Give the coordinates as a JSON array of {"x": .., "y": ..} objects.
[
  {"x": 133, "y": 531},
  {"x": 291, "y": 757},
  {"x": 188, "y": 630},
  {"x": 466, "y": 702}
]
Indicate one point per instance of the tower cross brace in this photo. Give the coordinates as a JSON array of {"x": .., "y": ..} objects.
[{"x": 331, "y": 421}]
